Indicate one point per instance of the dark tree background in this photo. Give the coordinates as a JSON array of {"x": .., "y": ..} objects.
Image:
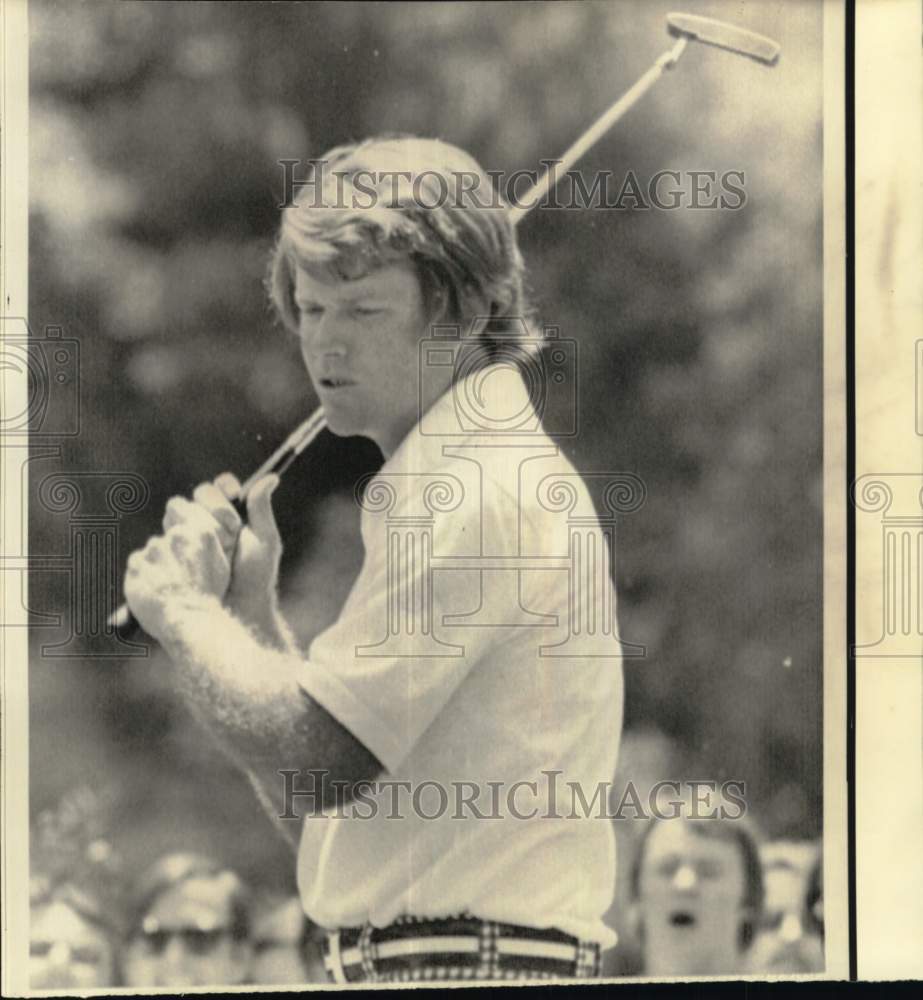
[{"x": 156, "y": 131}]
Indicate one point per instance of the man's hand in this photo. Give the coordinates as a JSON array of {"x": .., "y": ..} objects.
[
  {"x": 187, "y": 561},
  {"x": 254, "y": 549}
]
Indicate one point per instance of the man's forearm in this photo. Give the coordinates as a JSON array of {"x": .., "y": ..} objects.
[
  {"x": 250, "y": 696},
  {"x": 267, "y": 623},
  {"x": 245, "y": 691}
]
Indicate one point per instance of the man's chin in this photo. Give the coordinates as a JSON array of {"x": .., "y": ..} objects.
[
  {"x": 341, "y": 424},
  {"x": 791, "y": 962}
]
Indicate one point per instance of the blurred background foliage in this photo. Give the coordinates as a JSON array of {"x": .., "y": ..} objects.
[{"x": 156, "y": 131}]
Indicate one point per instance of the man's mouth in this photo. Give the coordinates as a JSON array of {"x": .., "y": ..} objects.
[
  {"x": 335, "y": 382},
  {"x": 789, "y": 960},
  {"x": 682, "y": 919}
]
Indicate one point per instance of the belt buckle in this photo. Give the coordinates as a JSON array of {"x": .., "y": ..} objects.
[{"x": 333, "y": 958}]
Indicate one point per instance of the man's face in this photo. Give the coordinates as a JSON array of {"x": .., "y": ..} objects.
[
  {"x": 360, "y": 342},
  {"x": 66, "y": 951},
  {"x": 185, "y": 939},
  {"x": 691, "y": 889},
  {"x": 786, "y": 942},
  {"x": 279, "y": 955}
]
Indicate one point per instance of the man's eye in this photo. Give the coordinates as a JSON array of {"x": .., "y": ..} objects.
[
  {"x": 86, "y": 955},
  {"x": 38, "y": 949},
  {"x": 311, "y": 311},
  {"x": 368, "y": 310},
  {"x": 709, "y": 870}
]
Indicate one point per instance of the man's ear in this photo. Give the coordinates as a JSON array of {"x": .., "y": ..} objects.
[
  {"x": 475, "y": 327},
  {"x": 747, "y": 929},
  {"x": 241, "y": 956},
  {"x": 635, "y": 924},
  {"x": 439, "y": 309}
]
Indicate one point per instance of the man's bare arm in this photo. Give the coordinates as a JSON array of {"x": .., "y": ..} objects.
[
  {"x": 248, "y": 694},
  {"x": 240, "y": 679}
]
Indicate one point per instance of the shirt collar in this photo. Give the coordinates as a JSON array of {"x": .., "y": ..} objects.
[{"x": 482, "y": 399}]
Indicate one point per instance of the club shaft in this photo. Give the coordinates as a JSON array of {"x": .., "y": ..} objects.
[
  {"x": 595, "y": 132},
  {"x": 287, "y": 452},
  {"x": 279, "y": 461},
  {"x": 276, "y": 464}
]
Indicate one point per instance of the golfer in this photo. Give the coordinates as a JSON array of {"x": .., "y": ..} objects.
[{"x": 435, "y": 768}]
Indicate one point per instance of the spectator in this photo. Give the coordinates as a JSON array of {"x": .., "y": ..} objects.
[
  {"x": 697, "y": 894},
  {"x": 790, "y": 937},
  {"x": 189, "y": 925},
  {"x": 71, "y": 941},
  {"x": 814, "y": 916},
  {"x": 285, "y": 949},
  {"x": 75, "y": 895}
]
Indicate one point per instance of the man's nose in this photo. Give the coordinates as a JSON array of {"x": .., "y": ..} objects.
[
  {"x": 791, "y": 929},
  {"x": 328, "y": 337},
  {"x": 175, "y": 956},
  {"x": 58, "y": 973},
  {"x": 59, "y": 955},
  {"x": 685, "y": 878}
]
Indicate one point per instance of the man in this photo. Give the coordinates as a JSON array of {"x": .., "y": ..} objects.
[
  {"x": 189, "y": 926},
  {"x": 790, "y": 938},
  {"x": 285, "y": 946},
  {"x": 696, "y": 896},
  {"x": 71, "y": 939},
  {"x": 814, "y": 900},
  {"x": 76, "y": 894},
  {"x": 453, "y": 681}
]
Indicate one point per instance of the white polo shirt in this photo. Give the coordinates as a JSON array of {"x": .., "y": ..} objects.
[{"x": 442, "y": 664}]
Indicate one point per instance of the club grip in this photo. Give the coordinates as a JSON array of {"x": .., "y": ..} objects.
[{"x": 122, "y": 620}]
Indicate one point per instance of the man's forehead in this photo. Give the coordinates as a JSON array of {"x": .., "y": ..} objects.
[
  {"x": 58, "y": 921},
  {"x": 281, "y": 923},
  {"x": 202, "y": 903},
  {"x": 379, "y": 280},
  {"x": 680, "y": 837},
  {"x": 785, "y": 887},
  {"x": 786, "y": 853}
]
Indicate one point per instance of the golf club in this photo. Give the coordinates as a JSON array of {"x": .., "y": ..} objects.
[{"x": 685, "y": 28}]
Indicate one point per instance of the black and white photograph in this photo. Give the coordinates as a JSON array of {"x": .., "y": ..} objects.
[{"x": 427, "y": 494}]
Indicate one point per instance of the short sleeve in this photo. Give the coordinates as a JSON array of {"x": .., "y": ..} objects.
[{"x": 386, "y": 668}]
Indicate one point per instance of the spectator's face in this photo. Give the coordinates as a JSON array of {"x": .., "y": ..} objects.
[
  {"x": 360, "y": 340},
  {"x": 690, "y": 893},
  {"x": 185, "y": 939},
  {"x": 786, "y": 942},
  {"x": 278, "y": 955},
  {"x": 66, "y": 951}
]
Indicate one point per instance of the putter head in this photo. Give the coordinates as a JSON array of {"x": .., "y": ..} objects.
[{"x": 724, "y": 36}]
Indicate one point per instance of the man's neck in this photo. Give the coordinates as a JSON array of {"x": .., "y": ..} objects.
[{"x": 391, "y": 439}]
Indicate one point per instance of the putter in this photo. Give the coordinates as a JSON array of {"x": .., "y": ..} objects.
[{"x": 683, "y": 27}]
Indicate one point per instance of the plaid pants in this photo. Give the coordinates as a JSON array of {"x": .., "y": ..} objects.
[{"x": 416, "y": 949}]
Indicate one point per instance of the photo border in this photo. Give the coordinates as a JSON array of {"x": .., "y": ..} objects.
[{"x": 896, "y": 693}]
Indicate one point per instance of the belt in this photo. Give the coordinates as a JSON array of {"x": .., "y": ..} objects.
[{"x": 414, "y": 949}]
